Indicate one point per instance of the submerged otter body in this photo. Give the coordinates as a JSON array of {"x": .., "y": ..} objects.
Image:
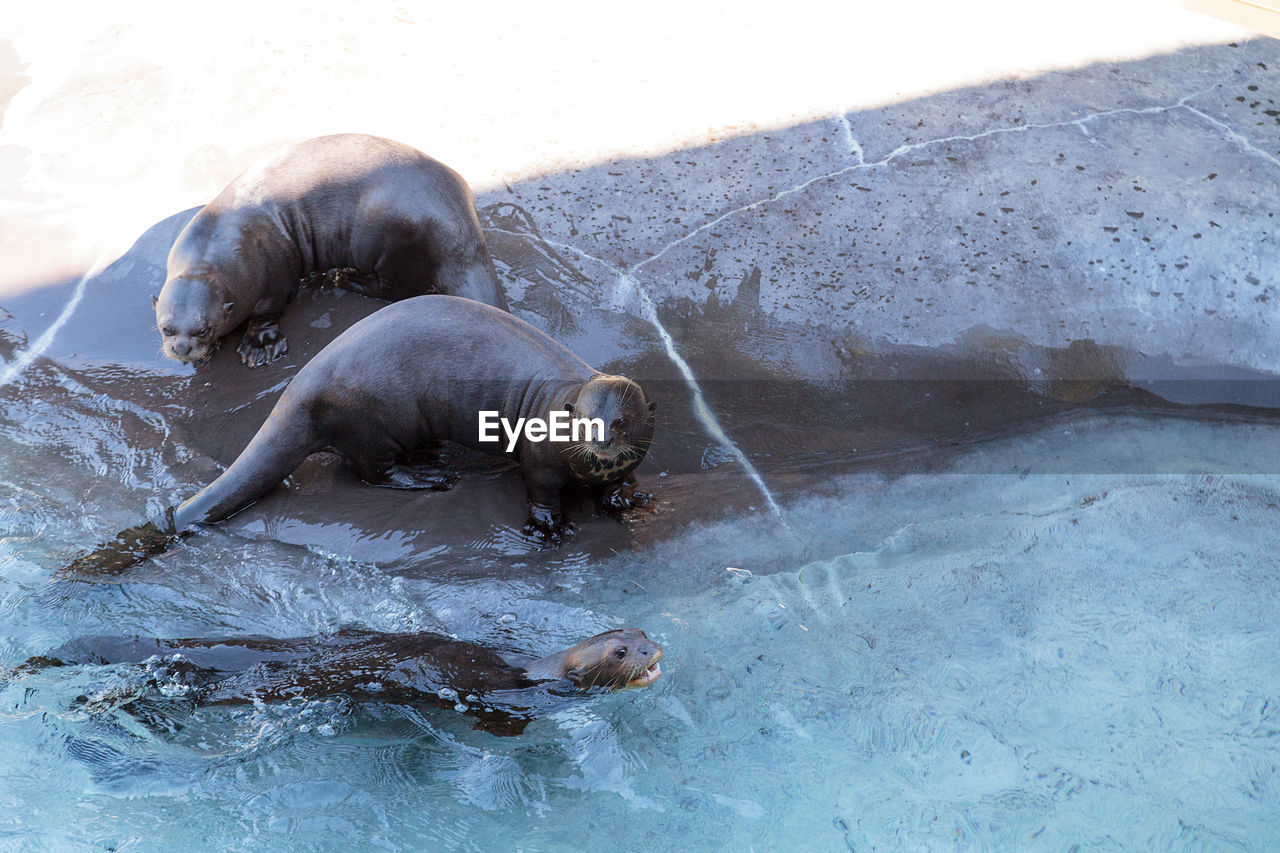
[
  {"x": 502, "y": 689},
  {"x": 387, "y": 220},
  {"x": 422, "y": 370}
]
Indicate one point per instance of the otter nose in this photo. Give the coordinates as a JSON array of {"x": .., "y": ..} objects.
[
  {"x": 648, "y": 651},
  {"x": 182, "y": 348}
]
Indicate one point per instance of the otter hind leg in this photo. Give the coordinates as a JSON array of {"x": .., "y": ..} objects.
[
  {"x": 418, "y": 476},
  {"x": 387, "y": 470},
  {"x": 352, "y": 279},
  {"x": 263, "y": 343},
  {"x": 405, "y": 269}
]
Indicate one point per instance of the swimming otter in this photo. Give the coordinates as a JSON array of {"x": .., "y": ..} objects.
[
  {"x": 380, "y": 218},
  {"x": 503, "y": 690}
]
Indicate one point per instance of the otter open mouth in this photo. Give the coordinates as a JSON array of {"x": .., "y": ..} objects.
[
  {"x": 606, "y": 455},
  {"x": 647, "y": 677}
]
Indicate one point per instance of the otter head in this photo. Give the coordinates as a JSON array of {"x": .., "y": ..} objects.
[
  {"x": 627, "y": 417},
  {"x": 191, "y": 317},
  {"x": 615, "y": 659}
]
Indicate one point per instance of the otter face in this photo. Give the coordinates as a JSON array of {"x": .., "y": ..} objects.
[
  {"x": 190, "y": 319},
  {"x": 615, "y": 659},
  {"x": 628, "y": 418}
]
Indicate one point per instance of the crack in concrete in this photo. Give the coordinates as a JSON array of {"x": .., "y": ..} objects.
[
  {"x": 1234, "y": 135},
  {"x": 915, "y": 146},
  {"x": 855, "y": 147},
  {"x": 700, "y": 408},
  {"x": 16, "y": 368},
  {"x": 649, "y": 310}
]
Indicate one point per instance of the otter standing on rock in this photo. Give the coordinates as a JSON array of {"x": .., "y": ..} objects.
[
  {"x": 416, "y": 371},
  {"x": 497, "y": 687},
  {"x": 425, "y": 369},
  {"x": 385, "y": 219}
]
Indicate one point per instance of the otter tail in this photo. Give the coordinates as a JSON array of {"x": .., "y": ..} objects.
[
  {"x": 37, "y": 663},
  {"x": 276, "y": 450},
  {"x": 129, "y": 548},
  {"x": 280, "y": 446}
]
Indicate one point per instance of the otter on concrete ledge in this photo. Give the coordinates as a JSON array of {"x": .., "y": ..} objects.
[
  {"x": 370, "y": 215},
  {"x": 414, "y": 372},
  {"x": 503, "y": 690}
]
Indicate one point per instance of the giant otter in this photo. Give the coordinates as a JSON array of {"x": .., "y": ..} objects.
[
  {"x": 379, "y": 217},
  {"x": 503, "y": 690},
  {"x": 416, "y": 371}
]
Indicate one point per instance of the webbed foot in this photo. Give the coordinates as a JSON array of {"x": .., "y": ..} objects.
[
  {"x": 366, "y": 284},
  {"x": 548, "y": 526},
  {"x": 427, "y": 476},
  {"x": 263, "y": 343},
  {"x": 621, "y": 498}
]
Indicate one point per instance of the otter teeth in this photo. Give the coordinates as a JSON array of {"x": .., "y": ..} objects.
[{"x": 649, "y": 676}]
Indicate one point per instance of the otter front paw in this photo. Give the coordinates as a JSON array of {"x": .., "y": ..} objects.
[
  {"x": 262, "y": 343},
  {"x": 547, "y": 525},
  {"x": 621, "y": 498}
]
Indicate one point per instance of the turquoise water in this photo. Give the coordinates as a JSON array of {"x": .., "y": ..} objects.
[{"x": 1050, "y": 658}]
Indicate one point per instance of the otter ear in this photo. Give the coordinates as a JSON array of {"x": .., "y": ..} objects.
[
  {"x": 653, "y": 406},
  {"x": 226, "y": 308},
  {"x": 154, "y": 300}
]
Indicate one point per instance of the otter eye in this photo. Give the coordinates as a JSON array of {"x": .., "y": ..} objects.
[
  {"x": 168, "y": 331},
  {"x": 202, "y": 332},
  {"x": 620, "y": 653}
]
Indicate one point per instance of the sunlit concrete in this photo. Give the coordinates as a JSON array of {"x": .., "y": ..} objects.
[{"x": 115, "y": 116}]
